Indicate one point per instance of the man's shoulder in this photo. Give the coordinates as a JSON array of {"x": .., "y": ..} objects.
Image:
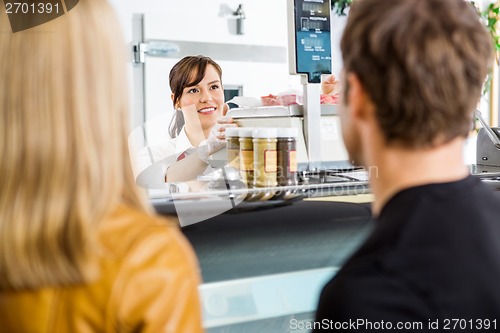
[
  {"x": 425, "y": 216},
  {"x": 366, "y": 291}
]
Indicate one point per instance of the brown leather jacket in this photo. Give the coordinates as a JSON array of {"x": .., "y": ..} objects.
[{"x": 148, "y": 283}]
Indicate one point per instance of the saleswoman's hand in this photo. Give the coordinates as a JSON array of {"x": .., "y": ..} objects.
[
  {"x": 220, "y": 128},
  {"x": 225, "y": 109},
  {"x": 217, "y": 138},
  {"x": 330, "y": 85}
]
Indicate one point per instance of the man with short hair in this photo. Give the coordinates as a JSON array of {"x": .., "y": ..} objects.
[{"x": 413, "y": 75}]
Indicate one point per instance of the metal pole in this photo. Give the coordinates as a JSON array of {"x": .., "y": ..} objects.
[
  {"x": 138, "y": 73},
  {"x": 312, "y": 122}
]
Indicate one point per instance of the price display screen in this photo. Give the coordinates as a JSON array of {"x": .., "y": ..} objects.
[{"x": 312, "y": 38}]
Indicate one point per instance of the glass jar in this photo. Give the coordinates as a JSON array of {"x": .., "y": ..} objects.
[
  {"x": 265, "y": 161},
  {"x": 246, "y": 155},
  {"x": 287, "y": 156},
  {"x": 287, "y": 174},
  {"x": 233, "y": 147}
]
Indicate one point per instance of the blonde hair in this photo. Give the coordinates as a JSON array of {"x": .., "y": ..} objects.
[{"x": 63, "y": 144}]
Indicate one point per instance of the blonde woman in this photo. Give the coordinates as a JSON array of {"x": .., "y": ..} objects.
[{"x": 80, "y": 250}]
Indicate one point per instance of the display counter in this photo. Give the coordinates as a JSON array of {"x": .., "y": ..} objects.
[
  {"x": 264, "y": 263},
  {"x": 301, "y": 235},
  {"x": 264, "y": 267}
]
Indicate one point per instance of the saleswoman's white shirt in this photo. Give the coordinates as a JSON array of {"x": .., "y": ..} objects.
[{"x": 153, "y": 161}]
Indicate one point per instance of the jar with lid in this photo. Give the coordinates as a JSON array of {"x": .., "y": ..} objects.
[
  {"x": 246, "y": 156},
  {"x": 287, "y": 173},
  {"x": 287, "y": 156},
  {"x": 265, "y": 161},
  {"x": 233, "y": 147}
]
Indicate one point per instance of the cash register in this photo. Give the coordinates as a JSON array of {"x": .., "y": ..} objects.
[{"x": 487, "y": 165}]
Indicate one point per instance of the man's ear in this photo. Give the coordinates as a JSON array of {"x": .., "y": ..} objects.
[{"x": 357, "y": 98}]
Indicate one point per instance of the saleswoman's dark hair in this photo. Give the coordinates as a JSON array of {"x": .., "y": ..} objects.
[{"x": 188, "y": 72}]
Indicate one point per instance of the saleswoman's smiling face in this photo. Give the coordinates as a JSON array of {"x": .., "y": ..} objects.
[{"x": 205, "y": 99}]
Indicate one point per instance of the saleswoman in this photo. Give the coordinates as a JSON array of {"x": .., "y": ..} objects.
[{"x": 197, "y": 128}]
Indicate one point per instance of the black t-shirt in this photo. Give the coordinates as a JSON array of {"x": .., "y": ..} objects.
[{"x": 433, "y": 258}]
